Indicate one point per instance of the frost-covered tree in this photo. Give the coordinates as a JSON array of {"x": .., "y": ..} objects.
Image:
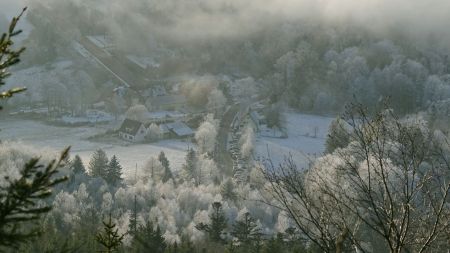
[
  {"x": 154, "y": 132},
  {"x": 197, "y": 90},
  {"x": 167, "y": 175},
  {"x": 190, "y": 169},
  {"x": 138, "y": 113},
  {"x": 78, "y": 166},
  {"x": 247, "y": 141},
  {"x": 218, "y": 223},
  {"x": 98, "y": 165},
  {"x": 207, "y": 171},
  {"x": 154, "y": 169},
  {"x": 228, "y": 190},
  {"x": 206, "y": 134},
  {"x": 247, "y": 233},
  {"x": 216, "y": 102},
  {"x": 247, "y": 87},
  {"x": 114, "y": 171},
  {"x": 436, "y": 88},
  {"x": 391, "y": 182}
]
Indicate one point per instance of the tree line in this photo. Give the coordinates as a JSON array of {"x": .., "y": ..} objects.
[{"x": 382, "y": 187}]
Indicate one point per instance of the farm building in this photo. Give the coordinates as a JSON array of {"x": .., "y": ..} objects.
[
  {"x": 132, "y": 130},
  {"x": 176, "y": 130}
]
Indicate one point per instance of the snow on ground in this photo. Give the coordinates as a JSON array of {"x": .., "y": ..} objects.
[
  {"x": 301, "y": 143},
  {"x": 56, "y": 138}
]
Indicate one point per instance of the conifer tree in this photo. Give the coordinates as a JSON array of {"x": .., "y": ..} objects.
[
  {"x": 165, "y": 163},
  {"x": 218, "y": 224},
  {"x": 247, "y": 233},
  {"x": 9, "y": 56},
  {"x": 77, "y": 166},
  {"x": 19, "y": 199},
  {"x": 98, "y": 164},
  {"x": 22, "y": 199},
  {"x": 227, "y": 190},
  {"x": 186, "y": 245},
  {"x": 190, "y": 167},
  {"x": 114, "y": 171},
  {"x": 110, "y": 238},
  {"x": 150, "y": 239},
  {"x": 132, "y": 227}
]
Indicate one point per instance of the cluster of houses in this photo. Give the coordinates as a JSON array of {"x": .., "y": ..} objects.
[{"x": 136, "y": 131}]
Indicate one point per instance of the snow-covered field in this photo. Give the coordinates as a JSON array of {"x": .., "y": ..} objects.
[
  {"x": 55, "y": 138},
  {"x": 306, "y": 140},
  {"x": 301, "y": 143}
]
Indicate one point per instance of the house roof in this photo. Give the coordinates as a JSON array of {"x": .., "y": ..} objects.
[
  {"x": 130, "y": 126},
  {"x": 167, "y": 100},
  {"x": 179, "y": 128},
  {"x": 142, "y": 62},
  {"x": 164, "y": 128}
]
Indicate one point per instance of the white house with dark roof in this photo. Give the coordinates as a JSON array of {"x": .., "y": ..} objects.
[{"x": 132, "y": 130}]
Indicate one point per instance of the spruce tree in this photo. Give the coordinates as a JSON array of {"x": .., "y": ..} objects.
[
  {"x": 218, "y": 223},
  {"x": 227, "y": 190},
  {"x": 9, "y": 56},
  {"x": 114, "y": 171},
  {"x": 165, "y": 163},
  {"x": 98, "y": 165},
  {"x": 77, "y": 166},
  {"x": 247, "y": 233},
  {"x": 110, "y": 238},
  {"x": 190, "y": 167},
  {"x": 132, "y": 227},
  {"x": 150, "y": 239},
  {"x": 22, "y": 198}
]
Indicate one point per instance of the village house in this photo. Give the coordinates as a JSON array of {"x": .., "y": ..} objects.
[
  {"x": 177, "y": 130},
  {"x": 132, "y": 130}
]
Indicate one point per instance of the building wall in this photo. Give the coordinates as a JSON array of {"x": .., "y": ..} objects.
[{"x": 139, "y": 137}]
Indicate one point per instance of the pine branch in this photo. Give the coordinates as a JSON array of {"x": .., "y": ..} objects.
[
  {"x": 10, "y": 56},
  {"x": 20, "y": 199}
]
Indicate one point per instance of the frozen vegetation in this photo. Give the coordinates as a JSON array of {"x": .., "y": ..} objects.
[
  {"x": 38, "y": 135},
  {"x": 225, "y": 126},
  {"x": 305, "y": 141}
]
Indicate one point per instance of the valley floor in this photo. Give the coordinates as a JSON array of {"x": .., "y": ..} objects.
[
  {"x": 305, "y": 142},
  {"x": 55, "y": 138}
]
